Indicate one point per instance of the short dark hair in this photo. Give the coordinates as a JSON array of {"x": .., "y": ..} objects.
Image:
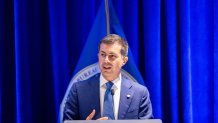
[{"x": 111, "y": 39}]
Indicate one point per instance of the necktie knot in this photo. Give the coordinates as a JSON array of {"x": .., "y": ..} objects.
[{"x": 109, "y": 85}]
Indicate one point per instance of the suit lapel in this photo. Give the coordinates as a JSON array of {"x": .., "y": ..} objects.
[
  {"x": 126, "y": 95},
  {"x": 94, "y": 90}
]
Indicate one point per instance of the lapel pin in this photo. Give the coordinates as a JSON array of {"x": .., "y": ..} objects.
[{"x": 128, "y": 96}]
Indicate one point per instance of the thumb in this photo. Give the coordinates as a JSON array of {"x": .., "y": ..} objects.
[{"x": 91, "y": 115}]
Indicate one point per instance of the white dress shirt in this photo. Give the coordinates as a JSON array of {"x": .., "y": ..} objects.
[{"x": 116, "y": 98}]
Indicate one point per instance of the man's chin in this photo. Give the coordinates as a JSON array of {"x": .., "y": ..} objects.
[
  {"x": 108, "y": 77},
  {"x": 106, "y": 74}
]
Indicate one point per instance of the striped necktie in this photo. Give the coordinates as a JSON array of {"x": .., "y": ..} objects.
[{"x": 108, "y": 102}]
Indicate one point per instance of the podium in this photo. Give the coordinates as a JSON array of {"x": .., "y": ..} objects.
[{"x": 115, "y": 121}]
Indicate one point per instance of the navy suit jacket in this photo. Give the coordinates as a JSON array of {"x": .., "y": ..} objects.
[{"x": 84, "y": 96}]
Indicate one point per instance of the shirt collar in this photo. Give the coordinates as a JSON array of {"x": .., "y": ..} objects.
[{"x": 117, "y": 82}]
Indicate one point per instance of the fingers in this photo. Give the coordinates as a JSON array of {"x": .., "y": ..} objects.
[
  {"x": 91, "y": 115},
  {"x": 103, "y": 118}
]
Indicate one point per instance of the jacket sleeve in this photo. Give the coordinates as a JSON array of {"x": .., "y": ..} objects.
[
  {"x": 71, "y": 106},
  {"x": 145, "y": 107}
]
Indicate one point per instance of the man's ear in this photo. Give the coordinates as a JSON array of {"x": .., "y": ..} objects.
[{"x": 125, "y": 59}]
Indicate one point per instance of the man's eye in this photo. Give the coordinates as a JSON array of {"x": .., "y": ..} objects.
[
  {"x": 103, "y": 55},
  {"x": 113, "y": 56}
]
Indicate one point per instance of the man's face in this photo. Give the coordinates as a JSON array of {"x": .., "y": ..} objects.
[{"x": 111, "y": 60}]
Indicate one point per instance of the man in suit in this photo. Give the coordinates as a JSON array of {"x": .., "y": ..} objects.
[{"x": 108, "y": 95}]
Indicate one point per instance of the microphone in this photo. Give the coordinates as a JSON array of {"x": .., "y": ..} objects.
[{"x": 112, "y": 92}]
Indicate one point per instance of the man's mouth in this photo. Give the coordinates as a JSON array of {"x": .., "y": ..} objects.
[{"x": 106, "y": 67}]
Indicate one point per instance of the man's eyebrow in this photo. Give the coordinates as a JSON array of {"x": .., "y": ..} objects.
[
  {"x": 111, "y": 53},
  {"x": 102, "y": 51}
]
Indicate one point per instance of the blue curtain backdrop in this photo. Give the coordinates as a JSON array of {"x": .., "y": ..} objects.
[{"x": 174, "y": 44}]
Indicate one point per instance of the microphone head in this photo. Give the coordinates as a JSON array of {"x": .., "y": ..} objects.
[{"x": 112, "y": 92}]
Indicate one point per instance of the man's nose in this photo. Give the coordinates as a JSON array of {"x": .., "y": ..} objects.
[{"x": 106, "y": 59}]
